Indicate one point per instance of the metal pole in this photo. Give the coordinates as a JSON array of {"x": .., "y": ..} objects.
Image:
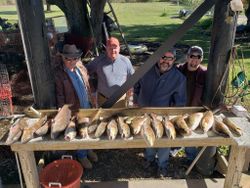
[
  {"x": 120, "y": 30},
  {"x": 19, "y": 170}
]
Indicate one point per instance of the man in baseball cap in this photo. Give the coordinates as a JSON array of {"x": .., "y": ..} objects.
[{"x": 112, "y": 71}]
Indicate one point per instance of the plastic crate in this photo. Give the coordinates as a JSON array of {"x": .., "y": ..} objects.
[{"x": 6, "y": 107}]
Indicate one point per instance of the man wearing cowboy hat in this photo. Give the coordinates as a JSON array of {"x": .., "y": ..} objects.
[{"x": 72, "y": 87}]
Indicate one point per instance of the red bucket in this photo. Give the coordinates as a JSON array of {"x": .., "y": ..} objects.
[{"x": 65, "y": 173}]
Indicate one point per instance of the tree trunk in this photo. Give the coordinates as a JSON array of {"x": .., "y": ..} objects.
[
  {"x": 48, "y": 7},
  {"x": 76, "y": 15},
  {"x": 36, "y": 50},
  {"x": 222, "y": 40},
  {"x": 248, "y": 13},
  {"x": 97, "y": 8}
]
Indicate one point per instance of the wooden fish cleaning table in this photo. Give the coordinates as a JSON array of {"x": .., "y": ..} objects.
[{"x": 236, "y": 159}]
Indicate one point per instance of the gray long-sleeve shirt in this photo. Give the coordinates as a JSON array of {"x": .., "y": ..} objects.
[
  {"x": 111, "y": 75},
  {"x": 156, "y": 90}
]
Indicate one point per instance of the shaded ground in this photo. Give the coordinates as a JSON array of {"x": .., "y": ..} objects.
[
  {"x": 113, "y": 164},
  {"x": 130, "y": 164}
]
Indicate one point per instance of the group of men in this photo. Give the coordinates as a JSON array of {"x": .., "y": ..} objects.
[{"x": 164, "y": 85}]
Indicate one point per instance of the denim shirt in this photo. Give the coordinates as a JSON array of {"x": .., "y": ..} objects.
[{"x": 79, "y": 86}]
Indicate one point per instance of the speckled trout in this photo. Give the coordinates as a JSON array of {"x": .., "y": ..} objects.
[
  {"x": 169, "y": 128},
  {"x": 220, "y": 128},
  {"x": 232, "y": 126},
  {"x": 60, "y": 122},
  {"x": 124, "y": 129},
  {"x": 157, "y": 126},
  {"x": 207, "y": 121},
  {"x": 147, "y": 131},
  {"x": 194, "y": 120}
]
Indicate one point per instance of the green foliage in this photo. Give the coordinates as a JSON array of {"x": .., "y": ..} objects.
[
  {"x": 223, "y": 150},
  {"x": 206, "y": 23}
]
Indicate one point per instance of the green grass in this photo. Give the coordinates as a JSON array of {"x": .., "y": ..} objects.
[{"x": 152, "y": 22}]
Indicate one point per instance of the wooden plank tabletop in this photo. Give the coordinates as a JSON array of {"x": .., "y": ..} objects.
[
  {"x": 197, "y": 138},
  {"x": 244, "y": 124}
]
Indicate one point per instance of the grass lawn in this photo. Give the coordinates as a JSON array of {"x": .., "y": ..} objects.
[{"x": 149, "y": 22}]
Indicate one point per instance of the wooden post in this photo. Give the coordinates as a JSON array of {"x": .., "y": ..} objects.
[
  {"x": 29, "y": 169},
  {"x": 247, "y": 161},
  {"x": 222, "y": 40},
  {"x": 34, "y": 37},
  {"x": 236, "y": 162}
]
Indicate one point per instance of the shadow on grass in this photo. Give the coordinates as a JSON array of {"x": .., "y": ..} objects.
[{"x": 12, "y": 12}]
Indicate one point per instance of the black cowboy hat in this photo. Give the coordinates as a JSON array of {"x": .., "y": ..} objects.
[{"x": 71, "y": 51}]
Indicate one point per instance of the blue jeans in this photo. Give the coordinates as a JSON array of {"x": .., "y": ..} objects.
[
  {"x": 162, "y": 153},
  {"x": 191, "y": 153},
  {"x": 81, "y": 153}
]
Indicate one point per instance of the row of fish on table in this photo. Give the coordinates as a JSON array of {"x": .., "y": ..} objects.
[{"x": 150, "y": 126}]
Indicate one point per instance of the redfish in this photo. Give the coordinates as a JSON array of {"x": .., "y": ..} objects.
[
  {"x": 112, "y": 130},
  {"x": 101, "y": 128},
  {"x": 147, "y": 131},
  {"x": 60, "y": 122},
  {"x": 83, "y": 127},
  {"x": 207, "y": 121},
  {"x": 124, "y": 129},
  {"x": 137, "y": 124},
  {"x": 194, "y": 120},
  {"x": 157, "y": 126},
  {"x": 70, "y": 131},
  {"x": 182, "y": 126},
  {"x": 28, "y": 132},
  {"x": 44, "y": 129},
  {"x": 15, "y": 131},
  {"x": 169, "y": 128}
]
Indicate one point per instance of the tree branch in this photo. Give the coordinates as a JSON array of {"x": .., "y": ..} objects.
[{"x": 59, "y": 3}]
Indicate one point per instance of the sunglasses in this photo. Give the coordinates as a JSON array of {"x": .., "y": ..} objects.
[
  {"x": 71, "y": 59},
  {"x": 167, "y": 58},
  {"x": 195, "y": 56}
]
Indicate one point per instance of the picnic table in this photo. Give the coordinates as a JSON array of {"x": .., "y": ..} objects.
[{"x": 238, "y": 145}]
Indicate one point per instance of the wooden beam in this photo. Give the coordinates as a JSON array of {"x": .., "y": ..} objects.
[
  {"x": 118, "y": 143},
  {"x": 34, "y": 37},
  {"x": 28, "y": 164},
  {"x": 178, "y": 34},
  {"x": 236, "y": 162},
  {"x": 222, "y": 41},
  {"x": 247, "y": 161}
]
